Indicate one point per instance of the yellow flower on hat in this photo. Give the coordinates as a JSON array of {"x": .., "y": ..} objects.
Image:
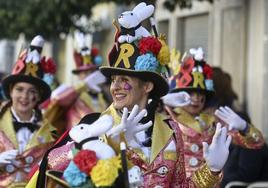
[
  {"x": 164, "y": 54},
  {"x": 175, "y": 61},
  {"x": 105, "y": 172}
]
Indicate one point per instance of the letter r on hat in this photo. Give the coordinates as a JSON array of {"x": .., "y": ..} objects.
[{"x": 126, "y": 51}]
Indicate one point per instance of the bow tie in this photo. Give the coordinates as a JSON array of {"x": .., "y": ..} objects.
[
  {"x": 18, "y": 125},
  {"x": 129, "y": 31}
]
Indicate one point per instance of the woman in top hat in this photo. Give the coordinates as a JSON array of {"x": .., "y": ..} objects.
[
  {"x": 24, "y": 135},
  {"x": 154, "y": 142},
  {"x": 191, "y": 90},
  {"x": 68, "y": 104}
]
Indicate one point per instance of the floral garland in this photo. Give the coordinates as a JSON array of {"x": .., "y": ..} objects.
[
  {"x": 154, "y": 56},
  {"x": 97, "y": 59},
  {"x": 49, "y": 67},
  {"x": 85, "y": 170},
  {"x": 208, "y": 72}
]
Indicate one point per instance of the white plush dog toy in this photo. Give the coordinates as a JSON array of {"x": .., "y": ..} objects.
[
  {"x": 87, "y": 135},
  {"x": 130, "y": 22}
]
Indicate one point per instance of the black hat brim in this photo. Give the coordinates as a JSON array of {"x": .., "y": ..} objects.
[
  {"x": 160, "y": 84},
  {"x": 209, "y": 94},
  {"x": 81, "y": 69},
  {"x": 44, "y": 88}
]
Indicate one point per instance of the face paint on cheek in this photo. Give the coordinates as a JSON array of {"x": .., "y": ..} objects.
[
  {"x": 127, "y": 86},
  {"x": 34, "y": 99}
]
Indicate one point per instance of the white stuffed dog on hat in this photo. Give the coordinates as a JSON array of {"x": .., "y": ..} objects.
[
  {"x": 129, "y": 21},
  {"x": 98, "y": 128}
]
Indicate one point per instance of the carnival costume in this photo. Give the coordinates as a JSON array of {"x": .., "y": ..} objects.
[
  {"x": 160, "y": 155},
  {"x": 164, "y": 167},
  {"x": 156, "y": 152},
  {"x": 31, "y": 138},
  {"x": 195, "y": 75},
  {"x": 68, "y": 104}
]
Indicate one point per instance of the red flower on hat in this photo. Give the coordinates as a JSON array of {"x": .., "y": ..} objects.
[
  {"x": 94, "y": 52},
  {"x": 208, "y": 71},
  {"x": 150, "y": 44},
  {"x": 85, "y": 160},
  {"x": 48, "y": 66}
]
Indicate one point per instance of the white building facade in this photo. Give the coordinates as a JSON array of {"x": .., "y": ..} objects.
[{"x": 234, "y": 34}]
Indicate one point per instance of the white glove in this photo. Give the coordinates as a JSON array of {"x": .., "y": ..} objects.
[
  {"x": 60, "y": 89},
  {"x": 7, "y": 156},
  {"x": 217, "y": 152},
  {"x": 94, "y": 80},
  {"x": 233, "y": 120},
  {"x": 130, "y": 124},
  {"x": 177, "y": 99},
  {"x": 23, "y": 137}
]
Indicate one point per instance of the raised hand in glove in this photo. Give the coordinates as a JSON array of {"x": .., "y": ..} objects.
[
  {"x": 7, "y": 156},
  {"x": 233, "y": 120},
  {"x": 217, "y": 152},
  {"x": 177, "y": 99},
  {"x": 94, "y": 80},
  {"x": 130, "y": 124}
]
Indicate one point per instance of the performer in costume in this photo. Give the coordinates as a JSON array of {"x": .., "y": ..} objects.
[
  {"x": 68, "y": 104},
  {"x": 24, "y": 134},
  {"x": 243, "y": 164},
  {"x": 137, "y": 70},
  {"x": 191, "y": 89}
]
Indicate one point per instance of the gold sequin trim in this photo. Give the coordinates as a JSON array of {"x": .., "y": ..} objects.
[{"x": 203, "y": 178}]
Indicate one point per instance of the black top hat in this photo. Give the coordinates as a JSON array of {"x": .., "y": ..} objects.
[
  {"x": 194, "y": 74},
  {"x": 137, "y": 53},
  {"x": 31, "y": 68},
  {"x": 145, "y": 58}
]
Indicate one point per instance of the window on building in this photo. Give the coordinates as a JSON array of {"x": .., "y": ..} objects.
[{"x": 192, "y": 32}]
